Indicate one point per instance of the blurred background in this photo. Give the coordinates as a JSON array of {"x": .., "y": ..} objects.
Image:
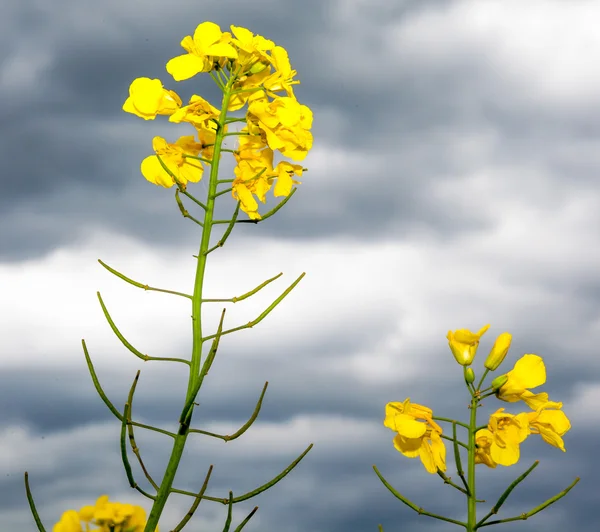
[{"x": 453, "y": 183}]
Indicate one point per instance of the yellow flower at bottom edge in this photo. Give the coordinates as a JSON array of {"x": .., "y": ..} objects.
[
  {"x": 416, "y": 438},
  {"x": 108, "y": 516},
  {"x": 69, "y": 522}
]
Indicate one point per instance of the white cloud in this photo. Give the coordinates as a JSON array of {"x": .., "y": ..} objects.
[{"x": 531, "y": 46}]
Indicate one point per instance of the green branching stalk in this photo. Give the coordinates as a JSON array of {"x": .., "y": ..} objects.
[
  {"x": 140, "y": 285},
  {"x": 36, "y": 517},
  {"x": 198, "y": 369},
  {"x": 448, "y": 480},
  {"x": 184, "y": 212},
  {"x": 412, "y": 505},
  {"x": 128, "y": 345},
  {"x": 235, "y": 299},
  {"x": 132, "y": 443},
  {"x": 107, "y": 401},
  {"x": 537, "y": 509},
  {"x": 454, "y": 441},
  {"x": 188, "y": 195},
  {"x": 458, "y": 460},
  {"x": 264, "y": 216},
  {"x": 506, "y": 493},
  {"x": 244, "y": 427},
  {"x": 196, "y": 503},
  {"x": 255, "y": 491},
  {"x": 469, "y": 489},
  {"x": 186, "y": 413},
  {"x": 263, "y": 314},
  {"x": 197, "y": 340},
  {"x": 227, "y": 232},
  {"x": 245, "y": 521}
]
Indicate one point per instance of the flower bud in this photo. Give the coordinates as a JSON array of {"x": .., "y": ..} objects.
[
  {"x": 257, "y": 68},
  {"x": 463, "y": 344},
  {"x": 499, "y": 381},
  {"x": 498, "y": 352},
  {"x": 469, "y": 375}
]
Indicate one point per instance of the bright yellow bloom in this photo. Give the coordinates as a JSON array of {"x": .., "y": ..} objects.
[
  {"x": 498, "y": 352},
  {"x": 207, "y": 44},
  {"x": 506, "y": 432},
  {"x": 246, "y": 183},
  {"x": 206, "y": 138},
  {"x": 251, "y": 49},
  {"x": 463, "y": 344},
  {"x": 254, "y": 158},
  {"x": 148, "y": 98},
  {"x": 172, "y": 156},
  {"x": 198, "y": 112},
  {"x": 286, "y": 124},
  {"x": 529, "y": 372},
  {"x": 550, "y": 423},
  {"x": 69, "y": 522},
  {"x": 282, "y": 78},
  {"x": 255, "y": 81},
  {"x": 109, "y": 516},
  {"x": 484, "y": 439},
  {"x": 418, "y": 434},
  {"x": 285, "y": 171}
]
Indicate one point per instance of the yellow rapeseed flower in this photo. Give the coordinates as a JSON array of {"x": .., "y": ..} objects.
[
  {"x": 286, "y": 124},
  {"x": 463, "y": 344},
  {"x": 529, "y": 372},
  {"x": 502, "y": 437},
  {"x": 207, "y": 44},
  {"x": 418, "y": 434},
  {"x": 148, "y": 98},
  {"x": 254, "y": 157},
  {"x": 483, "y": 440},
  {"x": 108, "y": 516},
  {"x": 198, "y": 112},
  {"x": 69, "y": 522},
  {"x": 550, "y": 422},
  {"x": 251, "y": 48},
  {"x": 282, "y": 78},
  {"x": 172, "y": 155}
]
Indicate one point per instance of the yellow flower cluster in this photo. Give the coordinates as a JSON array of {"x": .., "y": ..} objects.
[
  {"x": 105, "y": 516},
  {"x": 419, "y": 435},
  {"x": 258, "y": 70}
]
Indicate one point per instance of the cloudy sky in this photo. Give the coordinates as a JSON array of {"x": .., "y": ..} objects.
[{"x": 453, "y": 183}]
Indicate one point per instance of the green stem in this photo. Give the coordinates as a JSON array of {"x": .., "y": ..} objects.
[
  {"x": 472, "y": 498},
  {"x": 483, "y": 378},
  {"x": 181, "y": 437}
]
